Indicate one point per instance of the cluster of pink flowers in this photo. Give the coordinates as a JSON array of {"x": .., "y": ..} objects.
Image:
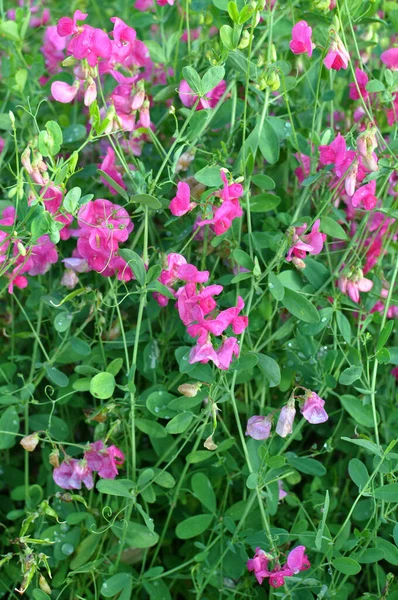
[
  {"x": 98, "y": 458},
  {"x": 222, "y": 216},
  {"x": 311, "y": 407},
  {"x": 337, "y": 56},
  {"x": 102, "y": 227},
  {"x": 311, "y": 243},
  {"x": 296, "y": 561},
  {"x": 17, "y": 261},
  {"x": 195, "y": 304}
]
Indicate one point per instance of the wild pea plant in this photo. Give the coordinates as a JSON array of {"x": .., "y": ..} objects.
[{"x": 198, "y": 268}]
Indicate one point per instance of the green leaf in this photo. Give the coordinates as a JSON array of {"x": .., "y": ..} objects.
[
  {"x": 146, "y": 200},
  {"x": 114, "y": 366},
  {"x": 368, "y": 556},
  {"x": 344, "y": 326},
  {"x": 114, "y": 185},
  {"x": 74, "y": 133},
  {"x": 309, "y": 466},
  {"x": 115, "y": 584},
  {"x": 71, "y": 199},
  {"x": 346, "y": 565},
  {"x": 56, "y": 376},
  {"x": 321, "y": 528},
  {"x": 85, "y": 550},
  {"x": 243, "y": 259},
  {"x": 375, "y": 86},
  {"x": 390, "y": 551},
  {"x": 384, "y": 335},
  {"x": 268, "y": 143},
  {"x": 264, "y": 182},
  {"x": 135, "y": 535},
  {"x": 361, "y": 413},
  {"x": 62, "y": 321},
  {"x": 349, "y": 375},
  {"x": 136, "y": 264},
  {"x": 203, "y": 490},
  {"x": 156, "y": 286},
  {"x": 227, "y": 37},
  {"x": 264, "y": 202},
  {"x": 157, "y": 404},
  {"x": 193, "y": 79},
  {"x": 212, "y": 78},
  {"x": 367, "y": 444},
  {"x": 9, "y": 29},
  {"x": 50, "y": 141},
  {"x": 193, "y": 526},
  {"x": 300, "y": 307},
  {"x": 358, "y": 473},
  {"x": 209, "y": 176},
  {"x": 9, "y": 422},
  {"x": 145, "y": 477},
  {"x": 275, "y": 287},
  {"x": 115, "y": 487},
  {"x": 270, "y": 369},
  {"x": 40, "y": 595},
  {"x": 388, "y": 492},
  {"x": 332, "y": 228},
  {"x": 151, "y": 428},
  {"x": 179, "y": 423},
  {"x": 102, "y": 386}
]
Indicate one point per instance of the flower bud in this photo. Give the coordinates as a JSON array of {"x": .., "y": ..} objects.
[
  {"x": 90, "y": 95},
  {"x": 44, "y": 585},
  {"x": 189, "y": 390},
  {"x": 298, "y": 263},
  {"x": 244, "y": 40},
  {"x": 12, "y": 118},
  {"x": 286, "y": 419},
  {"x": 273, "y": 81},
  {"x": 209, "y": 444},
  {"x": 53, "y": 459},
  {"x": 259, "y": 428},
  {"x": 29, "y": 442},
  {"x": 21, "y": 249}
]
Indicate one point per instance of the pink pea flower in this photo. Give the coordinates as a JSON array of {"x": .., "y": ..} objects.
[
  {"x": 109, "y": 167},
  {"x": 365, "y": 195},
  {"x": 258, "y": 427},
  {"x": 104, "y": 460},
  {"x": 259, "y": 565},
  {"x": 211, "y": 99},
  {"x": 301, "y": 42},
  {"x": 63, "y": 92},
  {"x": 143, "y": 5},
  {"x": 304, "y": 168},
  {"x": 284, "y": 425},
  {"x": 67, "y": 26},
  {"x": 333, "y": 153},
  {"x": 362, "y": 79},
  {"x": 225, "y": 353},
  {"x": 72, "y": 473},
  {"x": 312, "y": 409},
  {"x": 69, "y": 279},
  {"x": 282, "y": 492},
  {"x": 337, "y": 57},
  {"x": 181, "y": 203},
  {"x": 311, "y": 243},
  {"x": 203, "y": 353},
  {"x": 164, "y": 2},
  {"x": 355, "y": 283},
  {"x": 194, "y": 34},
  {"x": 390, "y": 58},
  {"x": 43, "y": 255},
  {"x": 53, "y": 49}
]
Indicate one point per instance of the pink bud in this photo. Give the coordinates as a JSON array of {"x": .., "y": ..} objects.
[
  {"x": 286, "y": 419},
  {"x": 138, "y": 100},
  {"x": 90, "y": 95}
]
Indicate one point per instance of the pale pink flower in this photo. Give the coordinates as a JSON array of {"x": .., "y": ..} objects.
[
  {"x": 63, "y": 92},
  {"x": 284, "y": 425},
  {"x": 225, "y": 353},
  {"x": 355, "y": 283},
  {"x": 109, "y": 167},
  {"x": 312, "y": 409},
  {"x": 282, "y": 492},
  {"x": 72, "y": 473},
  {"x": 211, "y": 99},
  {"x": 301, "y": 42},
  {"x": 311, "y": 243},
  {"x": 258, "y": 427}
]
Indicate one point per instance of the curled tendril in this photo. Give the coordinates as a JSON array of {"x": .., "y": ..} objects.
[{"x": 107, "y": 509}]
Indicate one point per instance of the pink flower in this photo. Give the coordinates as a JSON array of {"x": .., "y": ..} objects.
[
  {"x": 225, "y": 353},
  {"x": 164, "y": 2},
  {"x": 211, "y": 99},
  {"x": 63, "y": 92},
  {"x": 181, "y": 203},
  {"x": 282, "y": 492},
  {"x": 362, "y": 79},
  {"x": 72, "y": 473},
  {"x": 334, "y": 153},
  {"x": 143, "y": 5},
  {"x": 259, "y": 428},
  {"x": 296, "y": 561},
  {"x": 53, "y": 49},
  {"x": 104, "y": 460},
  {"x": 43, "y": 255},
  {"x": 365, "y": 195},
  {"x": 301, "y": 39},
  {"x": 390, "y": 58},
  {"x": 304, "y": 168},
  {"x": 312, "y": 242},
  {"x": 67, "y": 26},
  {"x": 337, "y": 57},
  {"x": 109, "y": 167},
  {"x": 259, "y": 564},
  {"x": 312, "y": 409},
  {"x": 354, "y": 284},
  {"x": 284, "y": 425},
  {"x": 203, "y": 353}
]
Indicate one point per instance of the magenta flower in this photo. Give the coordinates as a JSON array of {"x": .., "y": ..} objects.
[
  {"x": 67, "y": 26},
  {"x": 181, "y": 203},
  {"x": 259, "y": 565},
  {"x": 258, "y": 427},
  {"x": 72, "y": 473},
  {"x": 354, "y": 284},
  {"x": 211, "y": 99},
  {"x": 296, "y": 561},
  {"x": 365, "y": 195},
  {"x": 301, "y": 42},
  {"x": 390, "y": 58},
  {"x": 104, "y": 460},
  {"x": 311, "y": 243},
  {"x": 284, "y": 425},
  {"x": 337, "y": 57},
  {"x": 333, "y": 153},
  {"x": 164, "y": 2},
  {"x": 312, "y": 409},
  {"x": 362, "y": 79},
  {"x": 225, "y": 353}
]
